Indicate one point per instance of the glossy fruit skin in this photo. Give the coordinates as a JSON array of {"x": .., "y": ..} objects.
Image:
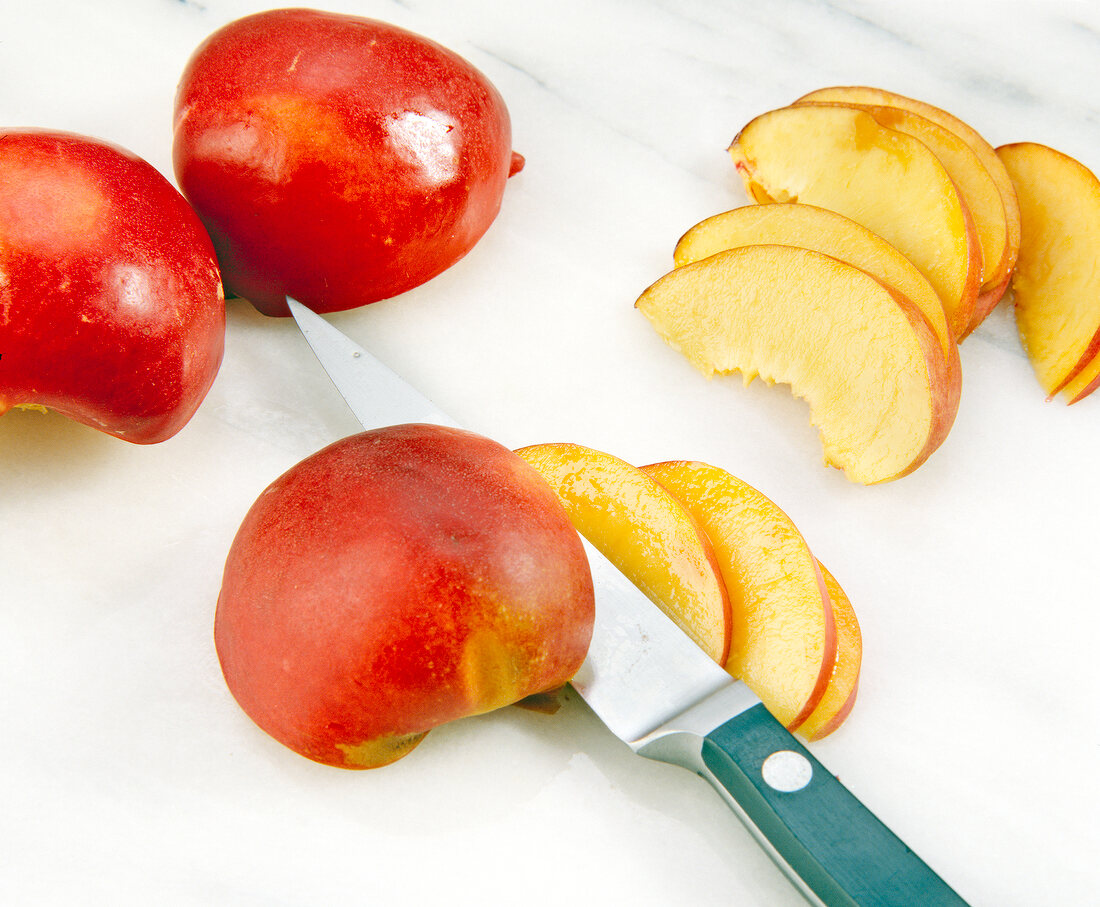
[
  {"x": 111, "y": 306},
  {"x": 337, "y": 159},
  {"x": 396, "y": 580}
]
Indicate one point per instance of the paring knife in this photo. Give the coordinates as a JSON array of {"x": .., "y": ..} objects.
[{"x": 664, "y": 697}]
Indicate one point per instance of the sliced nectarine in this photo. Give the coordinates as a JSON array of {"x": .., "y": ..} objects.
[
  {"x": 841, "y": 158},
  {"x": 1057, "y": 281},
  {"x": 1084, "y": 382},
  {"x": 784, "y": 641},
  {"x": 840, "y": 695},
  {"x": 811, "y": 227},
  {"x": 971, "y": 178},
  {"x": 645, "y": 532},
  {"x": 993, "y": 288},
  {"x": 862, "y": 355}
]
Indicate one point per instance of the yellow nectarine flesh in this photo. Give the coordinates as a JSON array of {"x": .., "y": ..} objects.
[
  {"x": 646, "y": 533},
  {"x": 993, "y": 288},
  {"x": 1084, "y": 382},
  {"x": 822, "y": 230},
  {"x": 1057, "y": 281},
  {"x": 841, "y": 158},
  {"x": 784, "y": 641},
  {"x": 965, "y": 168},
  {"x": 862, "y": 355}
]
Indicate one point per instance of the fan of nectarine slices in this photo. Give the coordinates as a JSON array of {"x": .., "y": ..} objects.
[
  {"x": 728, "y": 566},
  {"x": 861, "y": 354},
  {"x": 884, "y": 230}
]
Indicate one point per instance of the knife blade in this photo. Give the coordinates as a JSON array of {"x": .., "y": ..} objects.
[{"x": 667, "y": 700}]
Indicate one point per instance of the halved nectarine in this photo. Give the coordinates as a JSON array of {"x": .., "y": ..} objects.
[
  {"x": 841, "y": 158},
  {"x": 784, "y": 640},
  {"x": 645, "y": 532},
  {"x": 862, "y": 355},
  {"x": 1057, "y": 281}
]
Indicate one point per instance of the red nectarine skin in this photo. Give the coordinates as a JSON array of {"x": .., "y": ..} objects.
[
  {"x": 111, "y": 308},
  {"x": 336, "y": 159},
  {"x": 396, "y": 580}
]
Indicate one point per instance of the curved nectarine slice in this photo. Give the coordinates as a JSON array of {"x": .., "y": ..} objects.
[
  {"x": 1084, "y": 382},
  {"x": 965, "y": 168},
  {"x": 1057, "y": 281},
  {"x": 840, "y": 694},
  {"x": 810, "y": 227},
  {"x": 858, "y": 352},
  {"x": 645, "y": 532},
  {"x": 993, "y": 288},
  {"x": 784, "y": 642},
  {"x": 841, "y": 158}
]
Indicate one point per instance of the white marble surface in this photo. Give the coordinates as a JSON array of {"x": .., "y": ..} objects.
[{"x": 129, "y": 776}]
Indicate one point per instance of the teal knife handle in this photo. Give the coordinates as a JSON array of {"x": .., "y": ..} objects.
[{"x": 841, "y": 852}]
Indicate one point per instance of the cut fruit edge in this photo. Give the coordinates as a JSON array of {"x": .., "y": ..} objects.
[
  {"x": 943, "y": 385},
  {"x": 804, "y": 226},
  {"x": 662, "y": 472},
  {"x": 985, "y": 151},
  {"x": 960, "y": 284},
  {"x": 702, "y": 583},
  {"x": 840, "y": 695}
]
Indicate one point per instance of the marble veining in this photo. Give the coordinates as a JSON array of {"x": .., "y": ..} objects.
[{"x": 129, "y": 776}]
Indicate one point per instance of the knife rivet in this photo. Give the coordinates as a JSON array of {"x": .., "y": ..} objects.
[{"x": 787, "y": 771}]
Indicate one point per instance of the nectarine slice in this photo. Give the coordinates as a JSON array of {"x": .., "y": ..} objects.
[
  {"x": 784, "y": 641},
  {"x": 971, "y": 178},
  {"x": 810, "y": 227},
  {"x": 1057, "y": 281},
  {"x": 646, "y": 533},
  {"x": 993, "y": 288},
  {"x": 840, "y": 695},
  {"x": 861, "y": 354},
  {"x": 1084, "y": 382},
  {"x": 841, "y": 158}
]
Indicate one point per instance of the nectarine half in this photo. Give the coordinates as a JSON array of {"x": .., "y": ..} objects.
[{"x": 396, "y": 580}]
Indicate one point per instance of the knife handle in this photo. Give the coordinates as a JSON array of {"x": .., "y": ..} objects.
[{"x": 837, "y": 848}]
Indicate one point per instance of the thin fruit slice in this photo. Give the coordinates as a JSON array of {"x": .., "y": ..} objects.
[
  {"x": 1084, "y": 382},
  {"x": 840, "y": 694},
  {"x": 858, "y": 352},
  {"x": 991, "y": 291},
  {"x": 810, "y": 227},
  {"x": 645, "y": 532},
  {"x": 784, "y": 640},
  {"x": 842, "y": 159},
  {"x": 1057, "y": 281},
  {"x": 972, "y": 179}
]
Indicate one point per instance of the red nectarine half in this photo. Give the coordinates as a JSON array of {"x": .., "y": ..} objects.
[
  {"x": 396, "y": 580},
  {"x": 111, "y": 307},
  {"x": 337, "y": 159}
]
